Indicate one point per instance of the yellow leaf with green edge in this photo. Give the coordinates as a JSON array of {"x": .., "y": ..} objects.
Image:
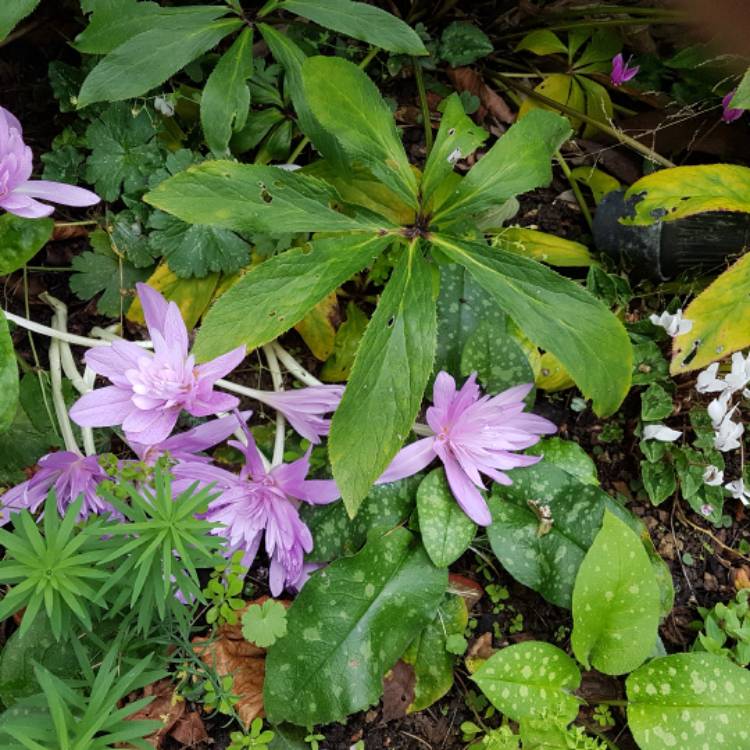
[
  {"x": 543, "y": 247},
  {"x": 598, "y": 182},
  {"x": 597, "y": 102},
  {"x": 192, "y": 296},
  {"x": 719, "y": 315},
  {"x": 677, "y": 192},
  {"x": 552, "y": 375},
  {"x": 560, "y": 88},
  {"x": 317, "y": 328}
]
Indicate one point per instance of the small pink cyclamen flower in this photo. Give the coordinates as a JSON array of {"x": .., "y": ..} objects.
[
  {"x": 17, "y": 191},
  {"x": 149, "y": 390},
  {"x": 730, "y": 114},
  {"x": 622, "y": 72},
  {"x": 70, "y": 475},
  {"x": 303, "y": 408},
  {"x": 259, "y": 501},
  {"x": 472, "y": 435}
]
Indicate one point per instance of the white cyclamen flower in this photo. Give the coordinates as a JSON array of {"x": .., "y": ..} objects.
[
  {"x": 739, "y": 376},
  {"x": 660, "y": 432},
  {"x": 713, "y": 476},
  {"x": 674, "y": 325},
  {"x": 708, "y": 382},
  {"x": 719, "y": 408},
  {"x": 738, "y": 491},
  {"x": 728, "y": 434}
]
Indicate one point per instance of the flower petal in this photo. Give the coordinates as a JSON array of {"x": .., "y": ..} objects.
[
  {"x": 57, "y": 192},
  {"x": 409, "y": 460},
  {"x": 465, "y": 492},
  {"x": 25, "y": 207},
  {"x": 221, "y": 366},
  {"x": 103, "y": 407}
]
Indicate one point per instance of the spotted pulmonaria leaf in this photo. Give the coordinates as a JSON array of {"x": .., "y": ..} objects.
[
  {"x": 531, "y": 680},
  {"x": 349, "y": 625},
  {"x": 616, "y": 601},
  {"x": 446, "y": 530},
  {"x": 690, "y": 702}
]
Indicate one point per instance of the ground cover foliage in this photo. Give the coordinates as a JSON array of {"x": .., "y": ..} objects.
[{"x": 332, "y": 416}]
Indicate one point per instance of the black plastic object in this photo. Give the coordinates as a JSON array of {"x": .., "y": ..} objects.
[{"x": 666, "y": 249}]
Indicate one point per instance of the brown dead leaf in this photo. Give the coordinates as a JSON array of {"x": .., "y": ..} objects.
[
  {"x": 468, "y": 79},
  {"x": 741, "y": 578},
  {"x": 228, "y": 653},
  {"x": 398, "y": 691},
  {"x": 479, "y": 651},
  {"x": 189, "y": 730},
  {"x": 60, "y": 233},
  {"x": 467, "y": 588},
  {"x": 166, "y": 707}
]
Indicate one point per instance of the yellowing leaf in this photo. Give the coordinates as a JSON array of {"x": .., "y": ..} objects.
[
  {"x": 683, "y": 191},
  {"x": 719, "y": 315},
  {"x": 560, "y": 88},
  {"x": 317, "y": 328},
  {"x": 552, "y": 375},
  {"x": 543, "y": 247},
  {"x": 600, "y": 183},
  {"x": 192, "y": 296}
]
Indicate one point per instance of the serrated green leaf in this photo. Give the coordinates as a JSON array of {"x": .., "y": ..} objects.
[
  {"x": 360, "y": 21},
  {"x": 276, "y": 294},
  {"x": 463, "y": 43},
  {"x": 21, "y": 239},
  {"x": 388, "y": 379},
  {"x": 13, "y": 12},
  {"x": 263, "y": 624},
  {"x": 659, "y": 479},
  {"x": 326, "y": 667},
  {"x": 556, "y": 314},
  {"x": 349, "y": 106},
  {"x": 254, "y": 198},
  {"x": 656, "y": 403},
  {"x": 616, "y": 602},
  {"x": 691, "y": 702},
  {"x": 531, "y": 680},
  {"x": 9, "y": 384},
  {"x": 446, "y": 530},
  {"x": 225, "y": 101},
  {"x": 151, "y": 57},
  {"x": 519, "y": 161},
  {"x": 195, "y": 250}
]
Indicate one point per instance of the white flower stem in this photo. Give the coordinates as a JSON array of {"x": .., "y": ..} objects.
[
  {"x": 278, "y": 386},
  {"x": 70, "y": 338},
  {"x": 295, "y": 368},
  {"x": 61, "y": 408}
]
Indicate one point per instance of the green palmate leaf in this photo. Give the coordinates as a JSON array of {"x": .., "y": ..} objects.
[
  {"x": 519, "y": 161},
  {"x": 360, "y": 21},
  {"x": 263, "y": 624},
  {"x": 328, "y": 667},
  {"x": 458, "y": 137},
  {"x": 719, "y": 314},
  {"x": 276, "y": 294},
  {"x": 149, "y": 58},
  {"x": 671, "y": 194},
  {"x": 253, "y": 198},
  {"x": 541, "y": 556},
  {"x": 113, "y": 23},
  {"x": 616, "y": 602},
  {"x": 14, "y": 11},
  {"x": 387, "y": 381},
  {"x": 531, "y": 679},
  {"x": 9, "y": 386},
  {"x": 433, "y": 664},
  {"x": 21, "y": 239},
  {"x": 225, "y": 101},
  {"x": 556, "y": 314},
  {"x": 691, "y": 702},
  {"x": 349, "y": 106},
  {"x": 446, "y": 530},
  {"x": 196, "y": 250},
  {"x": 546, "y": 248},
  {"x": 335, "y": 534}
]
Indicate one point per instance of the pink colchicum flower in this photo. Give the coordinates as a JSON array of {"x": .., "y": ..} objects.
[
  {"x": 259, "y": 501},
  {"x": 303, "y": 408},
  {"x": 730, "y": 114},
  {"x": 17, "y": 191},
  {"x": 149, "y": 390},
  {"x": 622, "y": 71},
  {"x": 473, "y": 435},
  {"x": 70, "y": 475}
]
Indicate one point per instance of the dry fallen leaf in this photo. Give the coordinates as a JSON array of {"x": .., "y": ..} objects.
[
  {"x": 468, "y": 79},
  {"x": 467, "y": 588},
  {"x": 741, "y": 577},
  {"x": 398, "y": 691},
  {"x": 165, "y": 707},
  {"x": 189, "y": 730}
]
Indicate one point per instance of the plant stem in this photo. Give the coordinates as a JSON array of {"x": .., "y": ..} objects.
[
  {"x": 576, "y": 188},
  {"x": 626, "y": 140},
  {"x": 278, "y": 386},
  {"x": 87, "y": 223},
  {"x": 294, "y": 368},
  {"x": 61, "y": 409},
  {"x": 426, "y": 120}
]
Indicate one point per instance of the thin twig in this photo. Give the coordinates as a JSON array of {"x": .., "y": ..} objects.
[
  {"x": 575, "y": 187},
  {"x": 426, "y": 119}
]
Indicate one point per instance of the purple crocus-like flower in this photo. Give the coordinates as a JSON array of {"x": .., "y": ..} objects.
[
  {"x": 303, "y": 408},
  {"x": 472, "y": 435},
  {"x": 622, "y": 71},
  {"x": 259, "y": 501},
  {"x": 17, "y": 191},
  {"x": 149, "y": 390},
  {"x": 730, "y": 114},
  {"x": 70, "y": 475}
]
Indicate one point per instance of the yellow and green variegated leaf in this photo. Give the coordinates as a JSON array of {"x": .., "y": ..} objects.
[
  {"x": 597, "y": 102},
  {"x": 719, "y": 315},
  {"x": 561, "y": 88},
  {"x": 192, "y": 296},
  {"x": 542, "y": 42},
  {"x": 598, "y": 182},
  {"x": 543, "y": 247},
  {"x": 552, "y": 376},
  {"x": 741, "y": 98},
  {"x": 684, "y": 191},
  {"x": 317, "y": 328}
]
